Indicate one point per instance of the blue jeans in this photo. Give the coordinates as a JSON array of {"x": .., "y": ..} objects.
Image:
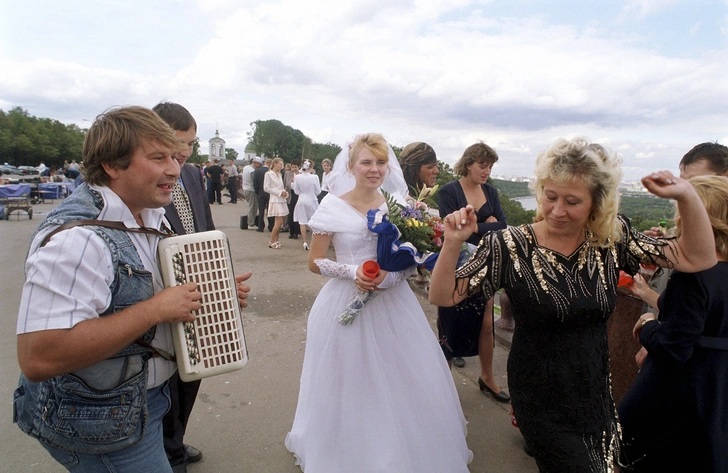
[{"x": 144, "y": 457}]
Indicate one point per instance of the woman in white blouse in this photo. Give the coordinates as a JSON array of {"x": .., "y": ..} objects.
[
  {"x": 277, "y": 205},
  {"x": 327, "y": 166},
  {"x": 307, "y": 186}
]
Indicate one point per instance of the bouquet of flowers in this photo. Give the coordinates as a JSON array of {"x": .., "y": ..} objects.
[{"x": 408, "y": 235}]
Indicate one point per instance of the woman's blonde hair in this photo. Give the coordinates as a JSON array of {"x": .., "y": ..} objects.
[
  {"x": 713, "y": 191},
  {"x": 597, "y": 167},
  {"x": 275, "y": 160},
  {"x": 374, "y": 142}
]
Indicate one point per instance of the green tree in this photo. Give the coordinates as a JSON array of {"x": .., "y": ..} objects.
[
  {"x": 446, "y": 174},
  {"x": 646, "y": 211},
  {"x": 512, "y": 189},
  {"x": 515, "y": 213},
  {"x": 196, "y": 157},
  {"x": 320, "y": 151},
  {"x": 230, "y": 153},
  {"x": 28, "y": 140},
  {"x": 272, "y": 138}
]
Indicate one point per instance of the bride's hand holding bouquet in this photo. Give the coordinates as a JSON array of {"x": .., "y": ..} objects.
[{"x": 369, "y": 276}]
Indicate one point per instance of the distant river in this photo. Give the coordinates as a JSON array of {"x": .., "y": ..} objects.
[{"x": 528, "y": 203}]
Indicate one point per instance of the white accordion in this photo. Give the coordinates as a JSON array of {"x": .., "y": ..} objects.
[{"x": 214, "y": 343}]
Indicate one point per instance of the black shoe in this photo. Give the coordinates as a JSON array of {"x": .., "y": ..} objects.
[
  {"x": 459, "y": 362},
  {"x": 261, "y": 230},
  {"x": 500, "y": 397},
  {"x": 194, "y": 455},
  {"x": 179, "y": 468}
]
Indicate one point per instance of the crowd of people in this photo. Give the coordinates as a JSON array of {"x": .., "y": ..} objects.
[{"x": 378, "y": 394}]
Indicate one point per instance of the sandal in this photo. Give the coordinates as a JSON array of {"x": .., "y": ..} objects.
[{"x": 275, "y": 245}]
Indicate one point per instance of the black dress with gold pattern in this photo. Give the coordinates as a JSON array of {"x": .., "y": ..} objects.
[{"x": 558, "y": 367}]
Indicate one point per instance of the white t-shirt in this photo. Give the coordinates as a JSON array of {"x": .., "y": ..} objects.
[{"x": 248, "y": 178}]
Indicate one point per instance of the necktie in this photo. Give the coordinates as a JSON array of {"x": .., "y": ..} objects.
[{"x": 182, "y": 204}]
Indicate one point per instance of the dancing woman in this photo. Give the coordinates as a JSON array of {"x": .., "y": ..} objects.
[
  {"x": 360, "y": 408},
  {"x": 560, "y": 274}
]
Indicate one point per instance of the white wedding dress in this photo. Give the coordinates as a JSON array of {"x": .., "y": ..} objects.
[{"x": 376, "y": 396}]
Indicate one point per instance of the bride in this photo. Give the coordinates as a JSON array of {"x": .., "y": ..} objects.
[{"x": 376, "y": 395}]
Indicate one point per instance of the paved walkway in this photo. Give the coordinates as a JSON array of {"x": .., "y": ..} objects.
[{"x": 240, "y": 420}]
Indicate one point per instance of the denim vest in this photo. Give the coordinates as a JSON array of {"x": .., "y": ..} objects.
[{"x": 101, "y": 408}]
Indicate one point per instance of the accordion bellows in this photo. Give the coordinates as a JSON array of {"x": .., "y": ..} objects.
[{"x": 215, "y": 342}]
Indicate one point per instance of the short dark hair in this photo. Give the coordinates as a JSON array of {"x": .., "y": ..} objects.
[
  {"x": 296, "y": 162},
  {"x": 176, "y": 116},
  {"x": 477, "y": 153},
  {"x": 716, "y": 154}
]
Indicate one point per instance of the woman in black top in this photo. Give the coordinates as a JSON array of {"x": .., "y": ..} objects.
[{"x": 466, "y": 329}]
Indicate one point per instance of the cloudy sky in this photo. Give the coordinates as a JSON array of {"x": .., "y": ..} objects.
[{"x": 645, "y": 77}]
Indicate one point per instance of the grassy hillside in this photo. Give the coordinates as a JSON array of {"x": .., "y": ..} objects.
[{"x": 512, "y": 189}]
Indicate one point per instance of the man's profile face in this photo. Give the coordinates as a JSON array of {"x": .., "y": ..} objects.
[{"x": 187, "y": 137}]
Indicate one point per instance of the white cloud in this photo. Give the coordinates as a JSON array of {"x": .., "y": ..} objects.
[
  {"x": 646, "y": 7},
  {"x": 449, "y": 73}
]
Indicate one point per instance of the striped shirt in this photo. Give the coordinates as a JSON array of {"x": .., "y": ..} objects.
[{"x": 68, "y": 280}]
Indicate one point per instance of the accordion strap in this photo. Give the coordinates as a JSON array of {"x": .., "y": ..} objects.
[
  {"x": 157, "y": 351},
  {"x": 109, "y": 224},
  {"x": 118, "y": 226}
]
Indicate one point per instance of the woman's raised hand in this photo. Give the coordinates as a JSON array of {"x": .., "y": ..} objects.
[
  {"x": 666, "y": 185},
  {"x": 460, "y": 224}
]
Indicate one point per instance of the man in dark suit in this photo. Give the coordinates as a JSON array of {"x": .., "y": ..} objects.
[
  {"x": 263, "y": 197},
  {"x": 214, "y": 173},
  {"x": 189, "y": 212}
]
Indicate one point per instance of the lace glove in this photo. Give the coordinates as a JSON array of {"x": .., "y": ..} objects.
[
  {"x": 332, "y": 269},
  {"x": 395, "y": 277}
]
